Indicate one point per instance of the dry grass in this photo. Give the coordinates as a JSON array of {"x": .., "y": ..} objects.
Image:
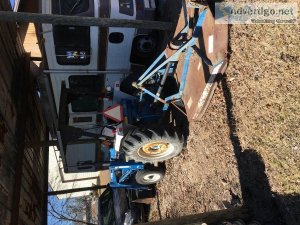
[{"x": 264, "y": 79}]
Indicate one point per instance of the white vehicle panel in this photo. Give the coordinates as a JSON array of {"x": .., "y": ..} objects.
[
  {"x": 118, "y": 55},
  {"x": 50, "y": 48},
  {"x": 115, "y": 11}
]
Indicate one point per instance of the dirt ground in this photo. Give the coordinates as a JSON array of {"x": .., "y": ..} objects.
[{"x": 245, "y": 150}]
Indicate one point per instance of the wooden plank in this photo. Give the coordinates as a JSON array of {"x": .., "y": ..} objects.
[
  {"x": 214, "y": 217},
  {"x": 20, "y": 135},
  {"x": 30, "y": 41},
  {"x": 7, "y": 108},
  {"x": 7, "y": 47},
  {"x": 5, "y": 214},
  {"x": 29, "y": 209},
  {"x": 5, "y": 71},
  {"x": 7, "y": 174},
  {"x": 83, "y": 21},
  {"x": 4, "y": 5}
]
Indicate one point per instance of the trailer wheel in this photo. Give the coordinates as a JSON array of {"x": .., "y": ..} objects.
[
  {"x": 150, "y": 145},
  {"x": 149, "y": 176}
]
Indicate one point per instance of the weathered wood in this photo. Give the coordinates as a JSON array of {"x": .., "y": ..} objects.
[
  {"x": 83, "y": 21},
  {"x": 22, "y": 175},
  {"x": 208, "y": 217},
  {"x": 30, "y": 41},
  {"x": 20, "y": 136}
]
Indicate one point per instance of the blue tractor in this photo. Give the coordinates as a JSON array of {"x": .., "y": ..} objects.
[{"x": 118, "y": 120}]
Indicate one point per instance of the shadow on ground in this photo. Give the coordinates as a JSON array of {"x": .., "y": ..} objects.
[{"x": 265, "y": 206}]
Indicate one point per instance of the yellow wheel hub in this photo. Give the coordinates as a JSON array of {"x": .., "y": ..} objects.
[{"x": 154, "y": 149}]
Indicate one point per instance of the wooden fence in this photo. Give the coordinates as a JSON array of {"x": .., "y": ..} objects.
[{"x": 23, "y": 170}]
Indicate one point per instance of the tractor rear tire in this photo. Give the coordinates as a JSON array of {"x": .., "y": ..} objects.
[
  {"x": 149, "y": 176},
  {"x": 151, "y": 145}
]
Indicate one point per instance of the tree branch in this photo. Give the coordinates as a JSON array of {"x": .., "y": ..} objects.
[{"x": 60, "y": 216}]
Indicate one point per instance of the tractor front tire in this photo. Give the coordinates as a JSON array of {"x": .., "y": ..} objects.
[
  {"x": 149, "y": 176},
  {"x": 151, "y": 145}
]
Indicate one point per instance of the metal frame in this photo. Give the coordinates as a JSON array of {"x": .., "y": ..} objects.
[
  {"x": 188, "y": 46},
  {"x": 127, "y": 169}
]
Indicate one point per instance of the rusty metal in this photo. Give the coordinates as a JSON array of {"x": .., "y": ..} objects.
[
  {"x": 178, "y": 108},
  {"x": 200, "y": 82},
  {"x": 191, "y": 22}
]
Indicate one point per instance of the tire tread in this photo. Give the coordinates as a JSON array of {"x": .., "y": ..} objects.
[{"x": 142, "y": 135}]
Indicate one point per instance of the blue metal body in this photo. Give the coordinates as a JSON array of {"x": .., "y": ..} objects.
[
  {"x": 121, "y": 172},
  {"x": 136, "y": 111},
  {"x": 154, "y": 67},
  {"x": 113, "y": 154}
]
